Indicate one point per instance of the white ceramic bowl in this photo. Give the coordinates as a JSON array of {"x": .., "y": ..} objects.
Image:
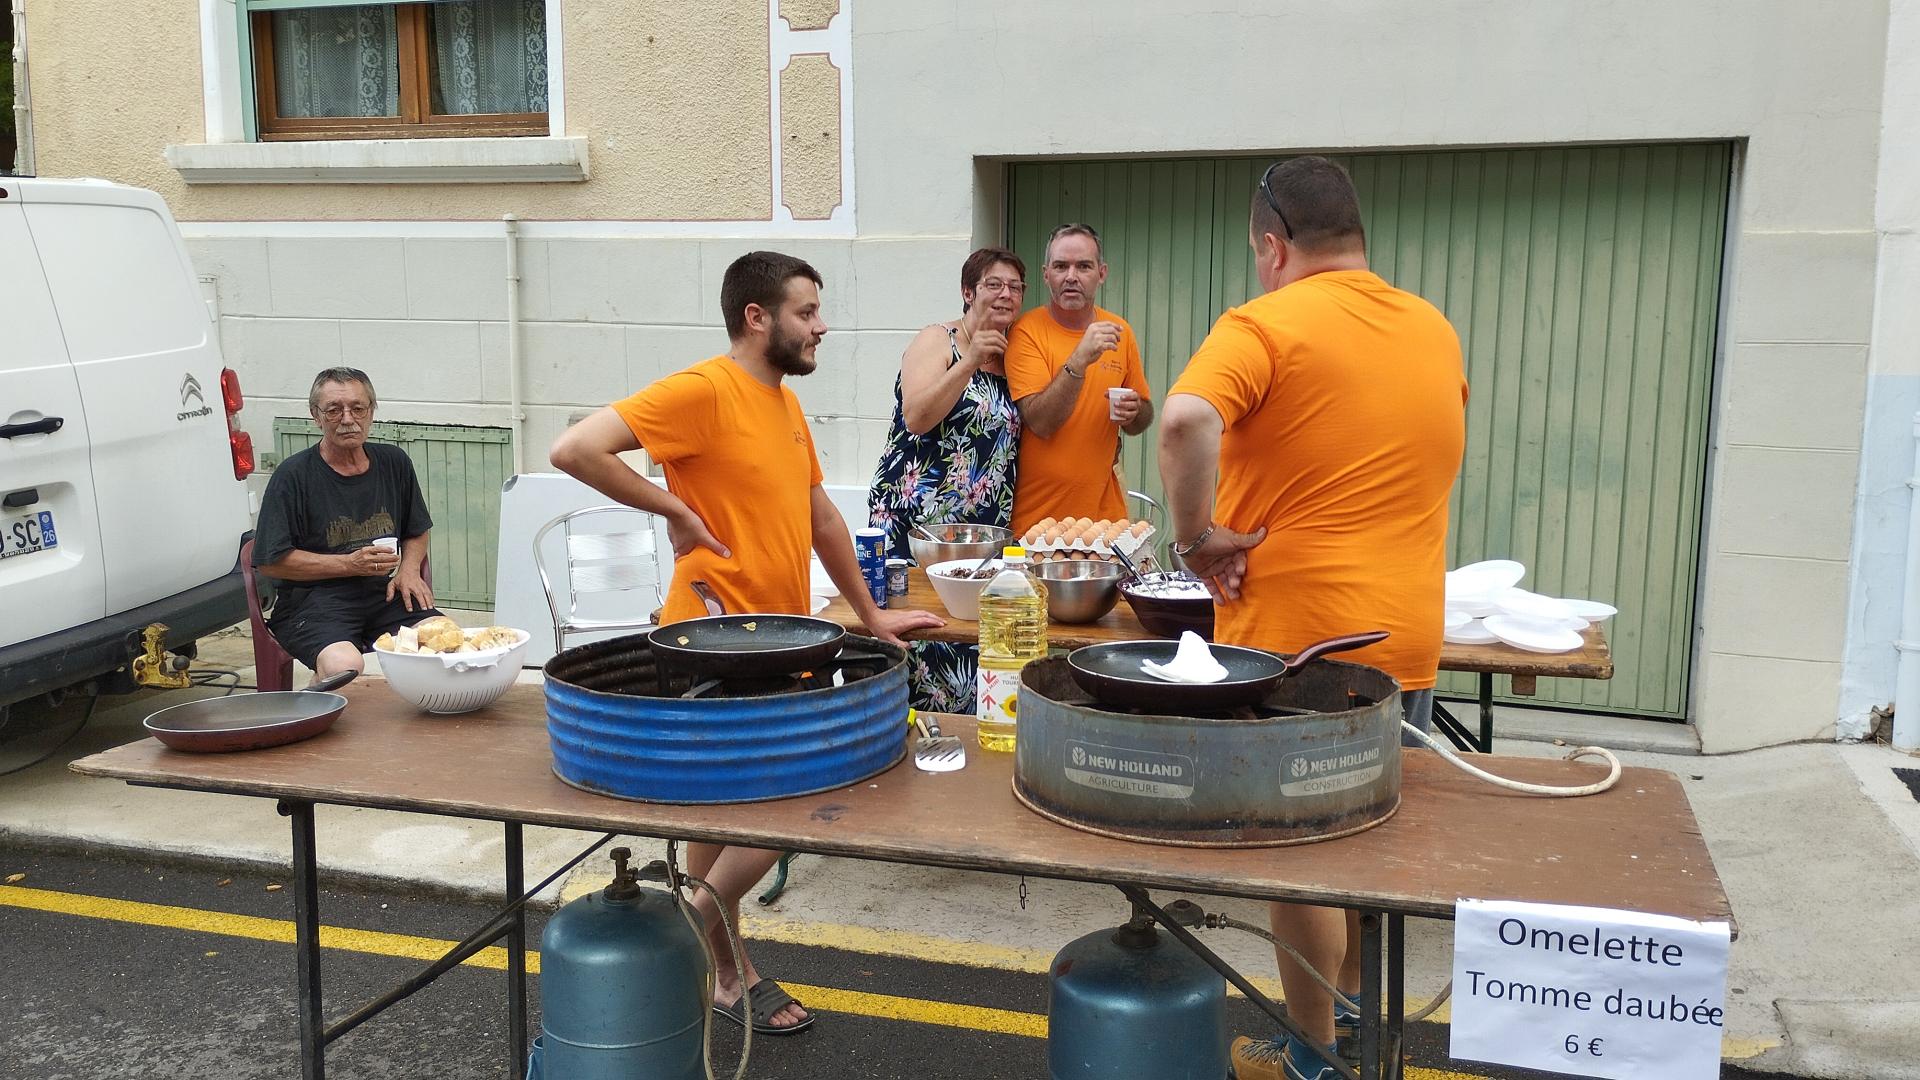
[
  {"x": 960, "y": 595},
  {"x": 453, "y": 682}
]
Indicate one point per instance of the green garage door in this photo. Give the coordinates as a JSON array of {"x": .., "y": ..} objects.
[{"x": 1585, "y": 285}]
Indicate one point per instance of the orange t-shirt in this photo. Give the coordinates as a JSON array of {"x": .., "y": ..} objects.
[
  {"x": 738, "y": 452},
  {"x": 1070, "y": 474},
  {"x": 1344, "y": 402}
]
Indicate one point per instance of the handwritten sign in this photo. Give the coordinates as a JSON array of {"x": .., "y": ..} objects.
[{"x": 1588, "y": 991}]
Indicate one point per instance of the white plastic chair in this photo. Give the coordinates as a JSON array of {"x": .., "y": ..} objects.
[{"x": 599, "y": 564}]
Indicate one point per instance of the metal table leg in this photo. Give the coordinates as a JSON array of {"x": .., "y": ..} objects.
[
  {"x": 1396, "y": 996},
  {"x": 1371, "y": 1059},
  {"x": 1486, "y": 712},
  {"x": 516, "y": 956},
  {"x": 1452, "y": 728},
  {"x": 306, "y": 939}
]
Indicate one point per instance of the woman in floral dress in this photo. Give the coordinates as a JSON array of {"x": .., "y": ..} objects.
[{"x": 955, "y": 441}]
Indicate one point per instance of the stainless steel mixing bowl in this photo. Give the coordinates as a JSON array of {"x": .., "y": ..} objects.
[{"x": 1080, "y": 591}]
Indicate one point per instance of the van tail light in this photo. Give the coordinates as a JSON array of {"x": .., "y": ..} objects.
[
  {"x": 239, "y": 442},
  {"x": 230, "y": 391},
  {"x": 242, "y": 445}
]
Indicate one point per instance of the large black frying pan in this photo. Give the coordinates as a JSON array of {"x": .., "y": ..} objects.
[
  {"x": 1111, "y": 673},
  {"x": 251, "y": 721},
  {"x": 733, "y": 646}
]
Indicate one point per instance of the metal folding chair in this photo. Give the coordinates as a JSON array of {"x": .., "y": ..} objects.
[
  {"x": 617, "y": 573},
  {"x": 1151, "y": 511}
]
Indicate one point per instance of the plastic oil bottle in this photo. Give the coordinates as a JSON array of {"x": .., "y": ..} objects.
[{"x": 1013, "y": 631}]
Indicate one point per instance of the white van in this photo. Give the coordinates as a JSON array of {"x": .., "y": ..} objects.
[{"x": 123, "y": 500}]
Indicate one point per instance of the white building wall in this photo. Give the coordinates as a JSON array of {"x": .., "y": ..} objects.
[
  {"x": 1879, "y": 551},
  {"x": 945, "y": 91}
]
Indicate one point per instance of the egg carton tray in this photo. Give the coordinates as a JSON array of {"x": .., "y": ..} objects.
[{"x": 1128, "y": 544}]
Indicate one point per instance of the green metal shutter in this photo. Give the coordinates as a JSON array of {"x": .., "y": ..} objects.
[
  {"x": 1585, "y": 286},
  {"x": 461, "y": 471}
]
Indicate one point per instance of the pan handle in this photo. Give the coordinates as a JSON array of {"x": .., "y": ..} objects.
[
  {"x": 1343, "y": 643},
  {"x": 706, "y": 594},
  {"x": 333, "y": 682}
]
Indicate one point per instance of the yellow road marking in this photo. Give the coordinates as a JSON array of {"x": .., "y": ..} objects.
[
  {"x": 826, "y": 998},
  {"x": 371, "y": 942}
]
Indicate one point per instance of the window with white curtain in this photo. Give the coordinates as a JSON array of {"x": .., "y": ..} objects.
[{"x": 443, "y": 68}]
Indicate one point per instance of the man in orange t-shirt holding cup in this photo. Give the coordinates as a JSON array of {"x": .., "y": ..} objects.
[
  {"x": 1074, "y": 370},
  {"x": 744, "y": 506},
  {"x": 1308, "y": 451}
]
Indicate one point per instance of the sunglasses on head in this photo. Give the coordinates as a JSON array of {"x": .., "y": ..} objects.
[{"x": 1266, "y": 190}]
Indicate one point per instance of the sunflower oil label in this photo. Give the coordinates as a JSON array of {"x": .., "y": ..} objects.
[
  {"x": 1326, "y": 769},
  {"x": 1126, "y": 771}
]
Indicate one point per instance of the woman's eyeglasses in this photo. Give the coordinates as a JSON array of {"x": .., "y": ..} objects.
[{"x": 1000, "y": 285}]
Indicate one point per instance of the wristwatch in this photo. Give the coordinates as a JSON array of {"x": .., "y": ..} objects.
[{"x": 1184, "y": 550}]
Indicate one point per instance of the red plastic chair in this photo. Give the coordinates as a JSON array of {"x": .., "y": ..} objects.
[{"x": 272, "y": 665}]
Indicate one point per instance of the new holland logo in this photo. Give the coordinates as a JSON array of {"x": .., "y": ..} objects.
[{"x": 190, "y": 388}]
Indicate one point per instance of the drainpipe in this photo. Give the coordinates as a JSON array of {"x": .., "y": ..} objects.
[
  {"x": 1906, "y": 690},
  {"x": 516, "y": 413},
  {"x": 22, "y": 94}
]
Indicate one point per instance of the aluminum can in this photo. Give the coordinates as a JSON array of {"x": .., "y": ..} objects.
[
  {"x": 870, "y": 546},
  {"x": 896, "y": 577}
]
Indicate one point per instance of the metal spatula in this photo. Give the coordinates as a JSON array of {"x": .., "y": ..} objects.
[{"x": 934, "y": 752}]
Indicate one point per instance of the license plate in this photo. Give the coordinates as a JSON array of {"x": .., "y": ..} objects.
[{"x": 22, "y": 534}]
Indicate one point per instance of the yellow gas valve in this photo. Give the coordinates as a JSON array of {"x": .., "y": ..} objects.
[{"x": 154, "y": 667}]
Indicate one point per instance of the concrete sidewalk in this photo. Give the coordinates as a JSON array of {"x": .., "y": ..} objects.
[{"x": 1818, "y": 846}]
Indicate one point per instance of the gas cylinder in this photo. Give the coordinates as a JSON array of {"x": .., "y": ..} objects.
[
  {"x": 623, "y": 986},
  {"x": 1133, "y": 1002}
]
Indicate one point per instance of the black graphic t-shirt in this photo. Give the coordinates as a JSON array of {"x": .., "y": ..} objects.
[{"x": 310, "y": 507}]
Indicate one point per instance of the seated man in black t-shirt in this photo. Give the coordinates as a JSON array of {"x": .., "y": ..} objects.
[{"x": 343, "y": 527}]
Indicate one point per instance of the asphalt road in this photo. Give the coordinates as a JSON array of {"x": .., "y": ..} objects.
[{"x": 112, "y": 966}]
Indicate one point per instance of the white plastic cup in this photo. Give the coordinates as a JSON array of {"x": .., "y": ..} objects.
[
  {"x": 1116, "y": 395},
  {"x": 388, "y": 543}
]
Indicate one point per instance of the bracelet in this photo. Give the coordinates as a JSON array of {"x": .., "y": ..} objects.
[
  {"x": 1184, "y": 550},
  {"x": 1068, "y": 368}
]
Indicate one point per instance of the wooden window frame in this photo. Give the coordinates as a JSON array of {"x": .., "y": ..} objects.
[{"x": 416, "y": 120}]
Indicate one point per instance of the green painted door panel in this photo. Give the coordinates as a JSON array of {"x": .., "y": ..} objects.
[
  {"x": 461, "y": 472},
  {"x": 1584, "y": 282}
]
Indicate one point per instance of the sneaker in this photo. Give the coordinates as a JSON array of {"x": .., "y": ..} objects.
[
  {"x": 1273, "y": 1059},
  {"x": 1346, "y": 1034}
]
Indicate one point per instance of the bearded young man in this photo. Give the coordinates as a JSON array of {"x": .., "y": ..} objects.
[{"x": 743, "y": 505}]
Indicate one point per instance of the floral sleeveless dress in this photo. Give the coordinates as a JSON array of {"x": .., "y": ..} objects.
[{"x": 962, "y": 470}]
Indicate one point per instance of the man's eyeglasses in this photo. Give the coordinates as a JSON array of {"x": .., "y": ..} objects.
[
  {"x": 997, "y": 285},
  {"x": 335, "y": 412},
  {"x": 1266, "y": 189}
]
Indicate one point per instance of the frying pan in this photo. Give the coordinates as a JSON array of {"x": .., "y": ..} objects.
[
  {"x": 1111, "y": 673},
  {"x": 729, "y": 646},
  {"x": 251, "y": 721}
]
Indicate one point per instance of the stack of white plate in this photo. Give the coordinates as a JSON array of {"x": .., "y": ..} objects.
[{"x": 1485, "y": 605}]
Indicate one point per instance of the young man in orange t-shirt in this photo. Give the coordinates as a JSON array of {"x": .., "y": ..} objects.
[
  {"x": 1062, "y": 360},
  {"x": 744, "y": 506},
  {"x": 1308, "y": 452}
]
